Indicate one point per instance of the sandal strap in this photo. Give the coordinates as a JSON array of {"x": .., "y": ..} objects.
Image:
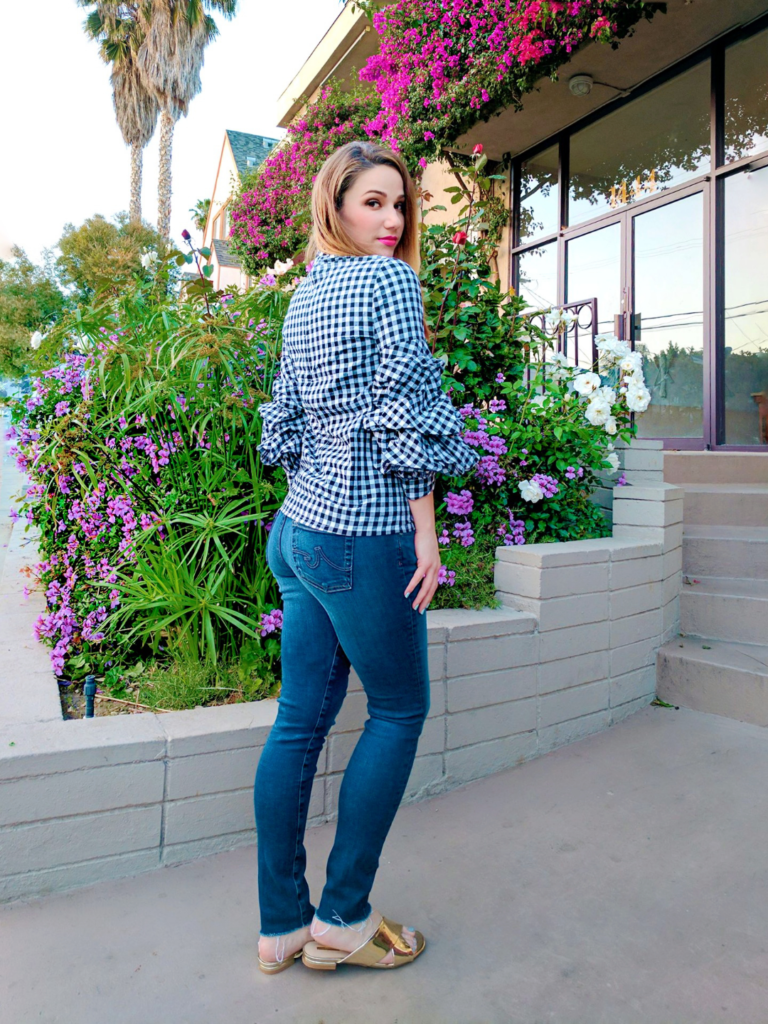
[{"x": 387, "y": 936}]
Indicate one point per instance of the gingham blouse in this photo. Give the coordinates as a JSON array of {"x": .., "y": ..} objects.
[{"x": 358, "y": 418}]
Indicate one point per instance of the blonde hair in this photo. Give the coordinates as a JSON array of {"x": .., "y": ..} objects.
[{"x": 330, "y": 186}]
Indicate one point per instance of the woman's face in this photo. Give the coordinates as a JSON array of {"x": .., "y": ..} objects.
[{"x": 373, "y": 211}]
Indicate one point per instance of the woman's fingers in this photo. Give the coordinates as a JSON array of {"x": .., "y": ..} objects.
[{"x": 428, "y": 581}]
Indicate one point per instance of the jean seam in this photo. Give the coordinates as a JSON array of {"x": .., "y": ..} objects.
[
  {"x": 414, "y": 652},
  {"x": 320, "y": 717}
]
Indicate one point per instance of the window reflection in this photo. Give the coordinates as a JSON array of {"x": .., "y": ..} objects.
[
  {"x": 594, "y": 271},
  {"x": 669, "y": 316},
  {"x": 657, "y": 141},
  {"x": 746, "y": 308},
  {"x": 746, "y": 97},
  {"x": 539, "y": 195},
  {"x": 537, "y": 276}
]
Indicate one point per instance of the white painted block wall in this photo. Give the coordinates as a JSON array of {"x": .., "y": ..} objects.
[{"x": 571, "y": 652}]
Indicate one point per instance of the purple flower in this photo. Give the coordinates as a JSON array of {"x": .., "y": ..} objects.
[
  {"x": 465, "y": 533},
  {"x": 499, "y": 378},
  {"x": 516, "y": 534},
  {"x": 497, "y": 405},
  {"x": 549, "y": 486},
  {"x": 459, "y": 504},
  {"x": 622, "y": 481},
  {"x": 446, "y": 576},
  {"x": 488, "y": 470},
  {"x": 270, "y": 621}
]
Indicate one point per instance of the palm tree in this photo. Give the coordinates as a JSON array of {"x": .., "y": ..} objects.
[
  {"x": 200, "y": 213},
  {"x": 116, "y": 28},
  {"x": 170, "y": 56}
]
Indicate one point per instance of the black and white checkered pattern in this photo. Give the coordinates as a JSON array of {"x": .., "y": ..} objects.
[{"x": 358, "y": 419}]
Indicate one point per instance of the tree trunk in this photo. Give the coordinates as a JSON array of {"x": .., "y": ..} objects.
[
  {"x": 164, "y": 178},
  {"x": 137, "y": 159}
]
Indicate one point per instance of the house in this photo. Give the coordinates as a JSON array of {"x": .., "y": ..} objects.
[
  {"x": 638, "y": 184},
  {"x": 240, "y": 154}
]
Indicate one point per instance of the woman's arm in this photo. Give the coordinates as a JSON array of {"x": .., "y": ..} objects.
[{"x": 427, "y": 551}]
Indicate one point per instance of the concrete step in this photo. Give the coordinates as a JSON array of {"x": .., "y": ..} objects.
[
  {"x": 715, "y": 676},
  {"x": 726, "y": 504},
  {"x": 716, "y": 467},
  {"x": 726, "y": 609},
  {"x": 733, "y": 552}
]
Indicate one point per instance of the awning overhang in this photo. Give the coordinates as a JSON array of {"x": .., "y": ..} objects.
[{"x": 654, "y": 47}]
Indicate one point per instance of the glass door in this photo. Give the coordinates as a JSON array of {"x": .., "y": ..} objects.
[{"x": 667, "y": 322}]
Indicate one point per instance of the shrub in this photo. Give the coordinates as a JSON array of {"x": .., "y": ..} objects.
[{"x": 146, "y": 486}]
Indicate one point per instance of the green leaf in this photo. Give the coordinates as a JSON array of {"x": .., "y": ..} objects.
[
  {"x": 208, "y": 269},
  {"x": 206, "y": 252},
  {"x": 181, "y": 259}
]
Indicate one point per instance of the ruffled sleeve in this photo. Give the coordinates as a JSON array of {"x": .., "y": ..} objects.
[
  {"x": 284, "y": 421},
  {"x": 416, "y": 426}
]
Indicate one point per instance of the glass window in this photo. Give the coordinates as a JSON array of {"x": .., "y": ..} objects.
[
  {"x": 537, "y": 276},
  {"x": 668, "y": 311},
  {"x": 594, "y": 272},
  {"x": 746, "y": 308},
  {"x": 539, "y": 195},
  {"x": 746, "y": 97},
  {"x": 657, "y": 141}
]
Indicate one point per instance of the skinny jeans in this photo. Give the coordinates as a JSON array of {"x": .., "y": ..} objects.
[{"x": 343, "y": 604}]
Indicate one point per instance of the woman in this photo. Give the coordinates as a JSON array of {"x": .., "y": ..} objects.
[{"x": 360, "y": 424}]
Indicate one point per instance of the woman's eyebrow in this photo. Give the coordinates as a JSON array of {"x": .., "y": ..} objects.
[{"x": 378, "y": 192}]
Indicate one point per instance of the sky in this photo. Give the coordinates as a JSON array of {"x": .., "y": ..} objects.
[{"x": 63, "y": 157}]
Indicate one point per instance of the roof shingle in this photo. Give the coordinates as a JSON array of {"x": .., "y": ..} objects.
[{"x": 249, "y": 150}]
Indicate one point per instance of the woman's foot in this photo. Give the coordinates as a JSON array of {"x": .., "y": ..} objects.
[
  {"x": 276, "y": 948},
  {"x": 350, "y": 937}
]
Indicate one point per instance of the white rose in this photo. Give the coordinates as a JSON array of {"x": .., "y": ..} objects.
[
  {"x": 607, "y": 395},
  {"x": 598, "y": 411},
  {"x": 632, "y": 364},
  {"x": 586, "y": 383},
  {"x": 638, "y": 397},
  {"x": 149, "y": 259},
  {"x": 529, "y": 491},
  {"x": 610, "y": 425},
  {"x": 610, "y": 349},
  {"x": 613, "y": 459},
  {"x": 36, "y": 339},
  {"x": 537, "y": 402}
]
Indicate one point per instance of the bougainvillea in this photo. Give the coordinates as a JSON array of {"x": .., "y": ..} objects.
[
  {"x": 444, "y": 65},
  {"x": 270, "y": 218}
]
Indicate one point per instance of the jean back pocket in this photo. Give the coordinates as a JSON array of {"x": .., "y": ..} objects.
[{"x": 323, "y": 559}]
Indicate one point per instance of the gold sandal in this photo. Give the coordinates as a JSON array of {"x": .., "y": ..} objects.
[
  {"x": 275, "y": 966},
  {"x": 387, "y": 936}
]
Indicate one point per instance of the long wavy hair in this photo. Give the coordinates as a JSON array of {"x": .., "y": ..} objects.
[{"x": 330, "y": 186}]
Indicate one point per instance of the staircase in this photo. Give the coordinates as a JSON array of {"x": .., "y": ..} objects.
[{"x": 719, "y": 663}]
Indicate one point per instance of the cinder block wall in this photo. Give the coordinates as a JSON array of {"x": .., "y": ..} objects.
[{"x": 571, "y": 652}]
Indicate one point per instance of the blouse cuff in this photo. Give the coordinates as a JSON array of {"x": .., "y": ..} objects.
[
  {"x": 282, "y": 436},
  {"x": 419, "y": 487}
]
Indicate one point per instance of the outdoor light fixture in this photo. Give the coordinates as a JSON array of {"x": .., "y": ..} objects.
[{"x": 580, "y": 85}]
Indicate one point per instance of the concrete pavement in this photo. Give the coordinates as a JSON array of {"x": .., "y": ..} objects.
[{"x": 620, "y": 880}]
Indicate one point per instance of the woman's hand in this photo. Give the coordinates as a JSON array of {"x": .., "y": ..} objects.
[{"x": 428, "y": 557}]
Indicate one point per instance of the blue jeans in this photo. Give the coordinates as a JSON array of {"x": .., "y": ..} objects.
[{"x": 343, "y": 602}]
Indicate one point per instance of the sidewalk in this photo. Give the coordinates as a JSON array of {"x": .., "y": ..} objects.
[{"x": 618, "y": 880}]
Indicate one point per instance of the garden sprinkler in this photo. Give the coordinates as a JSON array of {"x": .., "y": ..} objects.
[{"x": 90, "y": 693}]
